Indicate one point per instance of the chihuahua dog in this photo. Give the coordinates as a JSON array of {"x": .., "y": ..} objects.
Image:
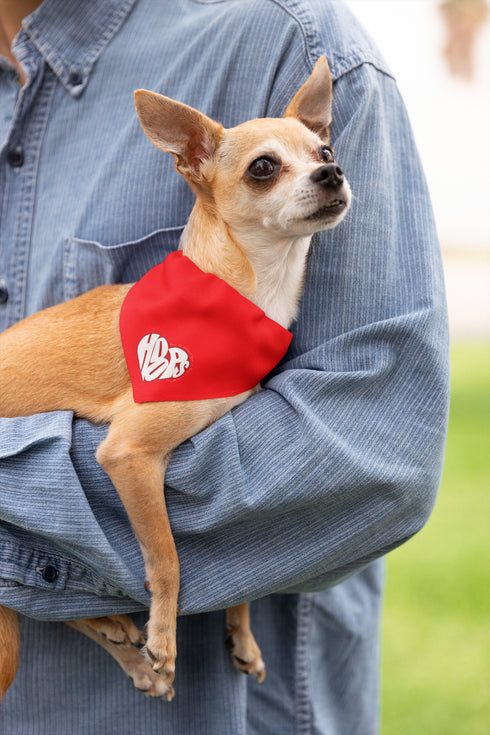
[{"x": 262, "y": 189}]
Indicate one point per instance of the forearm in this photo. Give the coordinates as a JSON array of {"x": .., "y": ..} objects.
[
  {"x": 61, "y": 542},
  {"x": 306, "y": 500}
]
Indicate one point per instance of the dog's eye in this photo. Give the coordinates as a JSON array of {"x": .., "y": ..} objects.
[
  {"x": 326, "y": 154},
  {"x": 262, "y": 168}
]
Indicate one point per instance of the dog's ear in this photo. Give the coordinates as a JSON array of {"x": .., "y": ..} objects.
[
  {"x": 179, "y": 129},
  {"x": 312, "y": 103}
]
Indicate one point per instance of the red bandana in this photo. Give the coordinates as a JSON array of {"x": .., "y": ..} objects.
[{"x": 189, "y": 335}]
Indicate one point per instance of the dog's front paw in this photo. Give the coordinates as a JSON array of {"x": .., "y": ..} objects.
[
  {"x": 160, "y": 651},
  {"x": 245, "y": 653},
  {"x": 150, "y": 682}
]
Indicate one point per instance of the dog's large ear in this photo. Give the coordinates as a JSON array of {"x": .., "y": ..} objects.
[
  {"x": 312, "y": 103},
  {"x": 179, "y": 129}
]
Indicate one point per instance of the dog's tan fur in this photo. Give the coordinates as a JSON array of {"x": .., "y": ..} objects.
[{"x": 253, "y": 234}]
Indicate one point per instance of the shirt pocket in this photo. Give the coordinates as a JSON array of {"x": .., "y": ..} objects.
[{"x": 87, "y": 263}]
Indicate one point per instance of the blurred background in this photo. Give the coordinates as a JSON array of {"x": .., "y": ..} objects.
[{"x": 436, "y": 650}]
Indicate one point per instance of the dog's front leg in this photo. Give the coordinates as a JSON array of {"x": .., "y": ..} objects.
[{"x": 133, "y": 458}]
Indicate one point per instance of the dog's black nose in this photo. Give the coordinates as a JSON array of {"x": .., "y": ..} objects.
[{"x": 328, "y": 175}]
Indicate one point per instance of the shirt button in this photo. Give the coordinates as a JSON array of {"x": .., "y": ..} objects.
[
  {"x": 75, "y": 79},
  {"x": 49, "y": 574},
  {"x": 15, "y": 157},
  {"x": 4, "y": 293}
]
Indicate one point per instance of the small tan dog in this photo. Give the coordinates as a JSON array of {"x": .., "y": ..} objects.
[{"x": 262, "y": 189}]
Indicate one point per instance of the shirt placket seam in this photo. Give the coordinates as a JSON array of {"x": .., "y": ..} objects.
[
  {"x": 32, "y": 142},
  {"x": 303, "y": 709}
]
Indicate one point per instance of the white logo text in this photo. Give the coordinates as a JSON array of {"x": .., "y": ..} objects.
[{"x": 158, "y": 361}]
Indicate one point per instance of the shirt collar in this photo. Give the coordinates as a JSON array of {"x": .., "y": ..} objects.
[{"x": 71, "y": 35}]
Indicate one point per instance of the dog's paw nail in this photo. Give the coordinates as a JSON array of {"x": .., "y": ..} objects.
[
  {"x": 251, "y": 669},
  {"x": 151, "y": 656},
  {"x": 254, "y": 667}
]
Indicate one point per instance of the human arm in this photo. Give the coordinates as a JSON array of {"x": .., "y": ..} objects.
[
  {"x": 339, "y": 460},
  {"x": 334, "y": 463}
]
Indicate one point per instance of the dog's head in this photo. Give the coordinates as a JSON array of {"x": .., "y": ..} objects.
[{"x": 273, "y": 174}]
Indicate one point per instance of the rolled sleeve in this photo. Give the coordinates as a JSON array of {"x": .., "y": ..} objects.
[{"x": 62, "y": 546}]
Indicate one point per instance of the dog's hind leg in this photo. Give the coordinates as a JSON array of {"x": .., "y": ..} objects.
[
  {"x": 118, "y": 629},
  {"x": 127, "y": 653},
  {"x": 244, "y": 650},
  {"x": 9, "y": 647}
]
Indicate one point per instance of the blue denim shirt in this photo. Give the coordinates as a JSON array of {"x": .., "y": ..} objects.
[{"x": 292, "y": 498}]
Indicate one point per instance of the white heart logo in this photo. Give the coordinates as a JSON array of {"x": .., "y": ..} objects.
[{"x": 158, "y": 361}]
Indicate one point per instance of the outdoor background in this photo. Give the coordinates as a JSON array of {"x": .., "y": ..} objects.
[{"x": 436, "y": 650}]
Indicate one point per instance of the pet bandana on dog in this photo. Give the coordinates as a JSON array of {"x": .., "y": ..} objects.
[{"x": 189, "y": 335}]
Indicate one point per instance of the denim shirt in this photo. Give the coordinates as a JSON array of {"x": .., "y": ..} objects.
[{"x": 292, "y": 498}]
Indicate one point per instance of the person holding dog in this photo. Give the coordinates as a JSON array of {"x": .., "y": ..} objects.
[{"x": 292, "y": 498}]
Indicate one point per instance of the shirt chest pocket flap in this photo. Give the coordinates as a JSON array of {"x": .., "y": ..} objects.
[{"x": 87, "y": 263}]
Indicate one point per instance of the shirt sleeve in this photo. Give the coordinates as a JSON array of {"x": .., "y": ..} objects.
[{"x": 334, "y": 463}]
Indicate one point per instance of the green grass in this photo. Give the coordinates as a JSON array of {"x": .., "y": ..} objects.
[{"x": 436, "y": 650}]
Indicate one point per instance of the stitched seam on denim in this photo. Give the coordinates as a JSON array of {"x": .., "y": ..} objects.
[
  {"x": 32, "y": 134},
  {"x": 130, "y": 244},
  {"x": 20, "y": 571},
  {"x": 119, "y": 17},
  {"x": 311, "y": 41},
  {"x": 10, "y": 198},
  {"x": 3, "y": 217},
  {"x": 303, "y": 710},
  {"x": 59, "y": 61},
  {"x": 357, "y": 59},
  {"x": 75, "y": 251},
  {"x": 313, "y": 47},
  {"x": 68, "y": 269}
]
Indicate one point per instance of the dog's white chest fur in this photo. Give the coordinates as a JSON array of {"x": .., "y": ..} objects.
[{"x": 280, "y": 279}]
